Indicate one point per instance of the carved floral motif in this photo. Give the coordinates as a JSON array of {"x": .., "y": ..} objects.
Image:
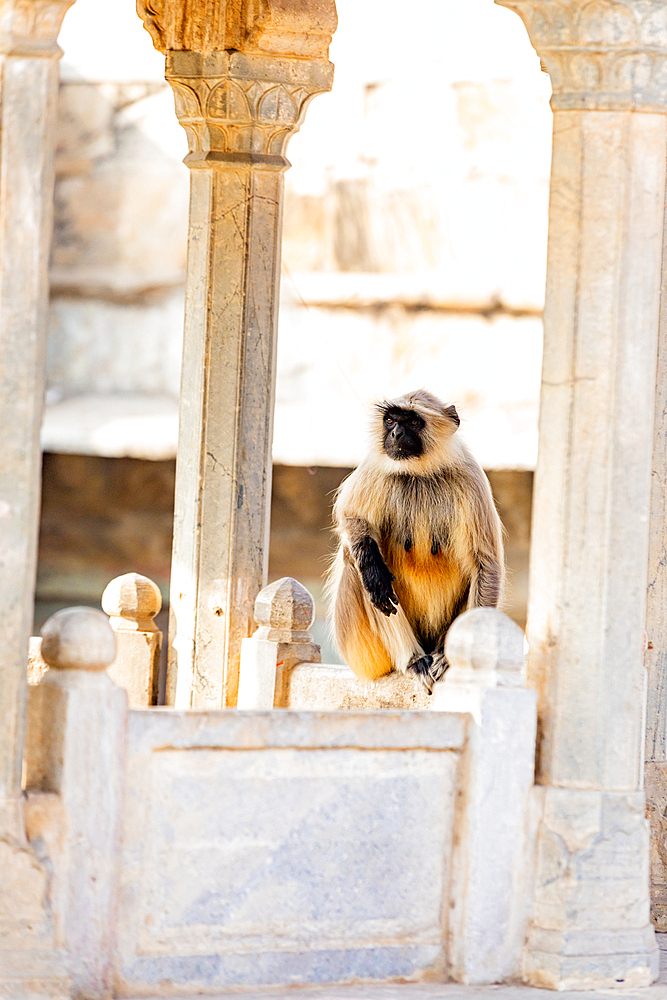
[
  {"x": 607, "y": 54},
  {"x": 232, "y": 104}
]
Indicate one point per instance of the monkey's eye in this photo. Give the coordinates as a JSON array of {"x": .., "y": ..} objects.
[
  {"x": 414, "y": 423},
  {"x": 389, "y": 422}
]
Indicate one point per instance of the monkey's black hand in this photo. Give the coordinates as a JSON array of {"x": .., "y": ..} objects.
[{"x": 375, "y": 576}]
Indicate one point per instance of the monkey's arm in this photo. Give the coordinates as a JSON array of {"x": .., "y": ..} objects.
[
  {"x": 486, "y": 582},
  {"x": 375, "y": 576}
]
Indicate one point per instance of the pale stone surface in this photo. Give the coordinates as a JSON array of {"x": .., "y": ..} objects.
[
  {"x": 75, "y": 747},
  {"x": 305, "y": 858},
  {"x": 284, "y": 613},
  {"x": 319, "y": 686},
  {"x": 78, "y": 639},
  {"x": 487, "y": 646},
  {"x": 439, "y": 991},
  {"x": 132, "y": 602},
  {"x": 116, "y": 426},
  {"x": 592, "y": 488},
  {"x": 438, "y": 348},
  {"x": 108, "y": 347},
  {"x": 611, "y": 941},
  {"x": 494, "y": 856},
  {"x": 655, "y": 772},
  {"x": 655, "y": 790}
]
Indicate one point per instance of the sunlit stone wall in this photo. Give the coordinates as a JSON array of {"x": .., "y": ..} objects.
[{"x": 414, "y": 240}]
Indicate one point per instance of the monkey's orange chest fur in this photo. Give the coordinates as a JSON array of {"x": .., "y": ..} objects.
[{"x": 429, "y": 586}]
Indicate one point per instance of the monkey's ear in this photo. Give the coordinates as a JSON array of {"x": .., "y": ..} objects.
[{"x": 453, "y": 415}]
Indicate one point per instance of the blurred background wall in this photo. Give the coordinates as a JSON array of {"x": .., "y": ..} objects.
[{"x": 413, "y": 255}]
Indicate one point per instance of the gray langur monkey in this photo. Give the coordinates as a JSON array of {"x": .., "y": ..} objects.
[{"x": 420, "y": 541}]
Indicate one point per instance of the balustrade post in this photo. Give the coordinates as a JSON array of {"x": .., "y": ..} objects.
[
  {"x": 494, "y": 834},
  {"x": 284, "y": 612},
  {"x": 132, "y": 602},
  {"x": 241, "y": 87},
  {"x": 608, "y": 66},
  {"x": 75, "y": 774}
]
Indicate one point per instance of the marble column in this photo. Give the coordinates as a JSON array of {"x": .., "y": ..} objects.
[
  {"x": 241, "y": 87},
  {"x": 655, "y": 765},
  {"x": 30, "y": 957},
  {"x": 28, "y": 95},
  {"x": 608, "y": 66}
]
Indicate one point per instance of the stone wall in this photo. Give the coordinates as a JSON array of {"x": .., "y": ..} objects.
[
  {"x": 414, "y": 235},
  {"x": 314, "y": 870}
]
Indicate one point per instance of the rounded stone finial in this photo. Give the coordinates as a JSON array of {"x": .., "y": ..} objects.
[
  {"x": 285, "y": 605},
  {"x": 78, "y": 639},
  {"x": 133, "y": 598},
  {"x": 486, "y": 639}
]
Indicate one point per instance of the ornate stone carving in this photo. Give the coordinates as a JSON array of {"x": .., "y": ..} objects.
[
  {"x": 30, "y": 27},
  {"x": 301, "y": 28},
  {"x": 231, "y": 104},
  {"x": 605, "y": 54}
]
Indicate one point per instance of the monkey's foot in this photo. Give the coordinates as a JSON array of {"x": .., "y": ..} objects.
[
  {"x": 421, "y": 670},
  {"x": 428, "y": 669}
]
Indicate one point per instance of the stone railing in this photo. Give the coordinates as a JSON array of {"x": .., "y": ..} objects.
[
  {"x": 281, "y": 666},
  {"x": 139, "y": 907},
  {"x": 131, "y": 601}
]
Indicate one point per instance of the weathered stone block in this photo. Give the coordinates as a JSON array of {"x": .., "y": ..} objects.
[{"x": 316, "y": 855}]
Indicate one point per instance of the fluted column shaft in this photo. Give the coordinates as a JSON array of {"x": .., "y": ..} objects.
[
  {"x": 28, "y": 95},
  {"x": 608, "y": 65},
  {"x": 241, "y": 89}
]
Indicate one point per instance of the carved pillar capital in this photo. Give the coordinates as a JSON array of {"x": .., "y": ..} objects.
[
  {"x": 242, "y": 71},
  {"x": 30, "y": 27},
  {"x": 602, "y": 55},
  {"x": 242, "y": 108}
]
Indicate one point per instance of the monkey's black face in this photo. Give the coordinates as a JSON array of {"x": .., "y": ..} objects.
[{"x": 403, "y": 431}]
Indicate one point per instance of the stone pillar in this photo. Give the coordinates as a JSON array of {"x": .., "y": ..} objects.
[
  {"x": 655, "y": 766},
  {"x": 28, "y": 94},
  {"x": 241, "y": 83},
  {"x": 608, "y": 66}
]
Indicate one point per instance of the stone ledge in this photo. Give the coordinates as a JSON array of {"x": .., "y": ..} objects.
[
  {"x": 115, "y": 426},
  {"x": 157, "y": 729},
  {"x": 322, "y": 686}
]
